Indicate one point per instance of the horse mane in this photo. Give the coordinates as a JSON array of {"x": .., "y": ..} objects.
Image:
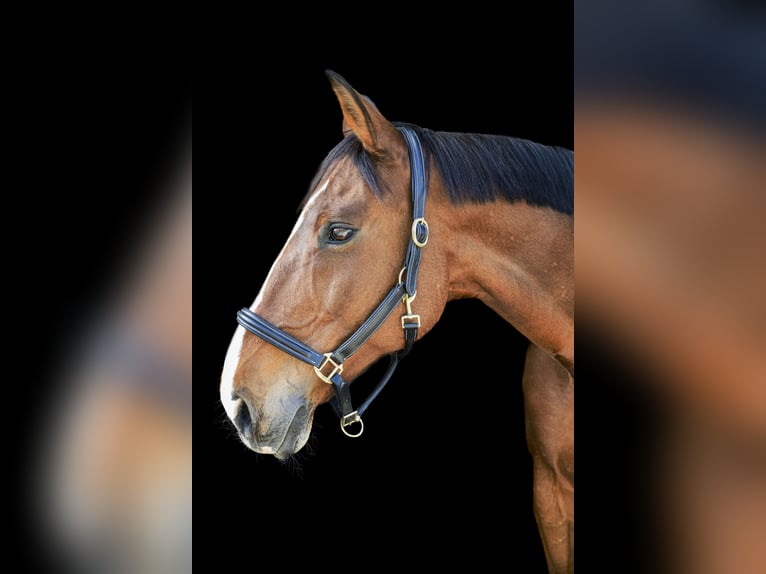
[{"x": 479, "y": 168}]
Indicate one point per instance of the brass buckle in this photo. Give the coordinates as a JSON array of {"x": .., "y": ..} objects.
[
  {"x": 336, "y": 368},
  {"x": 410, "y": 319},
  {"x": 350, "y": 419}
]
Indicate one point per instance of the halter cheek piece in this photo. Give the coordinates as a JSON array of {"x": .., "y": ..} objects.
[{"x": 329, "y": 366}]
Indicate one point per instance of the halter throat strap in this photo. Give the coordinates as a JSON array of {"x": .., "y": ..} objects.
[{"x": 329, "y": 366}]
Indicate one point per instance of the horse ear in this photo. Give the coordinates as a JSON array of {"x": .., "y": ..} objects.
[{"x": 362, "y": 118}]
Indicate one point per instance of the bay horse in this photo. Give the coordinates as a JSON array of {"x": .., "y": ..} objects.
[{"x": 398, "y": 221}]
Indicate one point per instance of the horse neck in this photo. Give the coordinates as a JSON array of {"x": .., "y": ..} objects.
[{"x": 518, "y": 260}]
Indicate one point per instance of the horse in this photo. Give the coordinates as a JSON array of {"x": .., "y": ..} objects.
[{"x": 400, "y": 220}]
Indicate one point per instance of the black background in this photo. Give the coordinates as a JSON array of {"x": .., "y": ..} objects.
[{"x": 441, "y": 475}]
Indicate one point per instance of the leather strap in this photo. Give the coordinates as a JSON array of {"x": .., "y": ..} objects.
[
  {"x": 419, "y": 228},
  {"x": 277, "y": 337}
]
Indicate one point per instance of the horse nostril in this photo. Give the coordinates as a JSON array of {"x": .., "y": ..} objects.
[{"x": 243, "y": 419}]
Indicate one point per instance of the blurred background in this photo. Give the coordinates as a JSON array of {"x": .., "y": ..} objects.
[
  {"x": 670, "y": 199},
  {"x": 97, "y": 416}
]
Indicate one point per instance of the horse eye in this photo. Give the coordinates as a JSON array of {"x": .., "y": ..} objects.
[{"x": 340, "y": 234}]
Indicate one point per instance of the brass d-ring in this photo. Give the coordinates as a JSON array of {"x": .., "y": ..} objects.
[
  {"x": 350, "y": 419},
  {"x": 415, "y": 224}
]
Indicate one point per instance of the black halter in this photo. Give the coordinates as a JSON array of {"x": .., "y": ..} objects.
[{"x": 329, "y": 366}]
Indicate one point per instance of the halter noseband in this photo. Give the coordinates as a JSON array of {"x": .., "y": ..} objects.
[{"x": 329, "y": 366}]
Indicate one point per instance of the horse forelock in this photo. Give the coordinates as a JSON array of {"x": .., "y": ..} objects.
[{"x": 349, "y": 148}]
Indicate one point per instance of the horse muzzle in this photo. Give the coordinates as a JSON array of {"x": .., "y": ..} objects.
[{"x": 281, "y": 434}]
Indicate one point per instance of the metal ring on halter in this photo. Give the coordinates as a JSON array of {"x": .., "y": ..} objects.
[
  {"x": 350, "y": 419},
  {"x": 415, "y": 240},
  {"x": 400, "y": 280}
]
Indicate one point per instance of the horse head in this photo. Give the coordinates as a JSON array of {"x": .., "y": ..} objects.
[{"x": 344, "y": 254}]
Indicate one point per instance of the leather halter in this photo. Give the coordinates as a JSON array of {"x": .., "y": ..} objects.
[{"x": 329, "y": 366}]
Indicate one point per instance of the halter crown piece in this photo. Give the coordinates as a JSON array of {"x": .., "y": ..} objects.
[{"x": 329, "y": 366}]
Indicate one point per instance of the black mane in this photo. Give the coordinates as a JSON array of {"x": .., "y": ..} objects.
[{"x": 480, "y": 168}]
